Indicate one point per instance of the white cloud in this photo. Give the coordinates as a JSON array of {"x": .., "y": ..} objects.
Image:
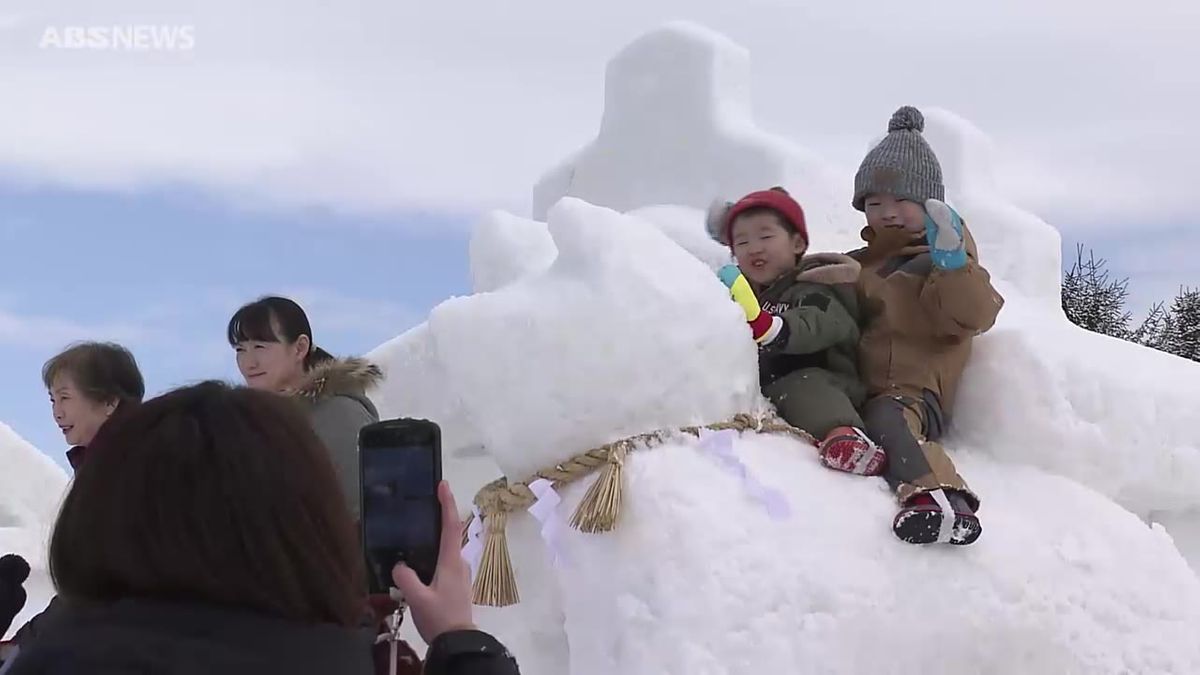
[
  {"x": 376, "y": 105},
  {"x": 333, "y": 312},
  {"x": 48, "y": 331},
  {"x": 330, "y": 312},
  {"x": 342, "y": 318}
]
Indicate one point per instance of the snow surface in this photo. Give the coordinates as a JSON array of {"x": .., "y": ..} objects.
[
  {"x": 677, "y": 129},
  {"x": 415, "y": 386},
  {"x": 698, "y": 579},
  {"x": 1073, "y": 440},
  {"x": 505, "y": 248},
  {"x": 31, "y": 488},
  {"x": 618, "y": 306}
]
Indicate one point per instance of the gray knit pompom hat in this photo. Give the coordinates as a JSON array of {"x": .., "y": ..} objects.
[{"x": 902, "y": 164}]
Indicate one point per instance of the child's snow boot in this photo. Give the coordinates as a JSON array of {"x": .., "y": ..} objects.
[
  {"x": 937, "y": 517},
  {"x": 849, "y": 449}
]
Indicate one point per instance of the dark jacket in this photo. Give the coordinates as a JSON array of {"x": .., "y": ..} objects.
[
  {"x": 77, "y": 454},
  {"x": 336, "y": 392},
  {"x": 148, "y": 637},
  {"x": 920, "y": 320},
  {"x": 136, "y": 636},
  {"x": 819, "y": 309}
]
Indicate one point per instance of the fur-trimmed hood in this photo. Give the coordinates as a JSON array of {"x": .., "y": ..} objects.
[
  {"x": 353, "y": 376},
  {"x": 828, "y": 268},
  {"x": 916, "y": 245}
]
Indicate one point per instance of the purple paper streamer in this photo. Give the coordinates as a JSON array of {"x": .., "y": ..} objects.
[{"x": 720, "y": 445}]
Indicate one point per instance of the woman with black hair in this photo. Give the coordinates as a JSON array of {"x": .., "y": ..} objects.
[{"x": 276, "y": 352}]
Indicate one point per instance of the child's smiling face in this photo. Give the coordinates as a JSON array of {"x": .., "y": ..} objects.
[
  {"x": 886, "y": 212},
  {"x": 765, "y": 248}
]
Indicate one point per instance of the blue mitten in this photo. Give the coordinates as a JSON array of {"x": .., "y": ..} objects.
[
  {"x": 729, "y": 274},
  {"x": 944, "y": 232}
]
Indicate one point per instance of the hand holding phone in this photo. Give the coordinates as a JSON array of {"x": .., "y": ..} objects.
[
  {"x": 401, "y": 467},
  {"x": 445, "y": 604}
]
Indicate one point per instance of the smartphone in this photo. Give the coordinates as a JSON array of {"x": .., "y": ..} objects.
[{"x": 400, "y": 466}]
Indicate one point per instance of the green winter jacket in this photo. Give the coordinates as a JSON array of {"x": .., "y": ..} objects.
[
  {"x": 819, "y": 307},
  {"x": 337, "y": 395}
]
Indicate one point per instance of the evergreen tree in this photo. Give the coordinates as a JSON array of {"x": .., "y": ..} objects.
[
  {"x": 1183, "y": 337},
  {"x": 1093, "y": 300},
  {"x": 1155, "y": 329}
]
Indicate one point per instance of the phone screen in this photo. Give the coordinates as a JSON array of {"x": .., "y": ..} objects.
[{"x": 400, "y": 510}]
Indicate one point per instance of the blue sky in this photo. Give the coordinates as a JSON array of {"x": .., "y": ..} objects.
[{"x": 162, "y": 271}]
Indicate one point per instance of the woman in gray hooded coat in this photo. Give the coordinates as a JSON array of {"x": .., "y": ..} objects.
[{"x": 275, "y": 352}]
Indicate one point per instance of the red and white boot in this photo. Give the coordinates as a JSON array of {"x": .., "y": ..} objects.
[
  {"x": 937, "y": 517},
  {"x": 849, "y": 449}
]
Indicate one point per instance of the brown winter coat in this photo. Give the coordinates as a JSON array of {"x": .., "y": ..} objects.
[{"x": 919, "y": 320}]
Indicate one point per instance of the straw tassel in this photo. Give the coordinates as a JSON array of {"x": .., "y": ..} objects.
[
  {"x": 602, "y": 503},
  {"x": 495, "y": 585}
]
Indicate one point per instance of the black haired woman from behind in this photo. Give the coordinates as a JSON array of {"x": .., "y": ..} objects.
[
  {"x": 206, "y": 536},
  {"x": 276, "y": 352}
]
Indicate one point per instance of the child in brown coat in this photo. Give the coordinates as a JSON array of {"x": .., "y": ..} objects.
[{"x": 925, "y": 297}]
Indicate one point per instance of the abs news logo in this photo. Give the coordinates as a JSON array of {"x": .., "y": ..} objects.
[{"x": 133, "y": 38}]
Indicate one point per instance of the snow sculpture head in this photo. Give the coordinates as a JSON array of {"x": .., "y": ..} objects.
[{"x": 621, "y": 308}]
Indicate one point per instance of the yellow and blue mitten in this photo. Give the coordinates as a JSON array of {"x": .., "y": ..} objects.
[{"x": 764, "y": 326}]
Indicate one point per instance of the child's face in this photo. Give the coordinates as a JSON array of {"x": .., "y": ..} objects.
[
  {"x": 764, "y": 247},
  {"x": 888, "y": 214}
]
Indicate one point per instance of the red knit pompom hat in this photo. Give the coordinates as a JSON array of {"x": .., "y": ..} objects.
[{"x": 777, "y": 199}]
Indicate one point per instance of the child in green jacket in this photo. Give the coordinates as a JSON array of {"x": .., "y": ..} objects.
[{"x": 803, "y": 312}]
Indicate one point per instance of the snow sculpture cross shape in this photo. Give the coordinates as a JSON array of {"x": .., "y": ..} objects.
[{"x": 677, "y": 107}]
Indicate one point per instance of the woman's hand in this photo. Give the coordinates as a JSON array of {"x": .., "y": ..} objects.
[{"x": 445, "y": 604}]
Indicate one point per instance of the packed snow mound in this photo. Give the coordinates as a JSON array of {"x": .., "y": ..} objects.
[
  {"x": 1115, "y": 416},
  {"x": 31, "y": 484},
  {"x": 677, "y": 129},
  {"x": 505, "y": 248},
  {"x": 31, "y": 489},
  {"x": 699, "y": 578},
  {"x": 589, "y": 350},
  {"x": 685, "y": 226},
  {"x": 415, "y": 386}
]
